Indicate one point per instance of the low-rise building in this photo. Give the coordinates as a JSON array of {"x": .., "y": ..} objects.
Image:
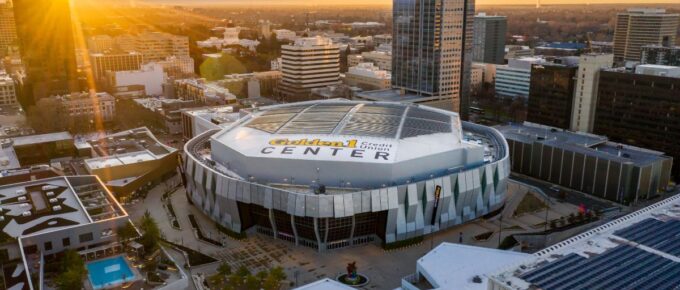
[
  {"x": 587, "y": 163},
  {"x": 40, "y": 149},
  {"x": 178, "y": 67},
  {"x": 203, "y": 92},
  {"x": 89, "y": 105},
  {"x": 167, "y": 111},
  {"x": 516, "y": 51},
  {"x": 663, "y": 55},
  {"x": 43, "y": 218},
  {"x": 472, "y": 264},
  {"x": 150, "y": 76},
  {"x": 285, "y": 35},
  {"x": 368, "y": 76},
  {"x": 199, "y": 120},
  {"x": 131, "y": 161},
  {"x": 382, "y": 59},
  {"x": 8, "y": 94},
  {"x": 637, "y": 251},
  {"x": 514, "y": 79}
]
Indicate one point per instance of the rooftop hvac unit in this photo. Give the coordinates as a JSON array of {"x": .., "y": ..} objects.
[
  {"x": 25, "y": 205},
  {"x": 53, "y": 200},
  {"x": 2, "y": 218},
  {"x": 56, "y": 208},
  {"x": 26, "y": 213},
  {"x": 22, "y": 198},
  {"x": 21, "y": 192},
  {"x": 50, "y": 193},
  {"x": 48, "y": 187}
]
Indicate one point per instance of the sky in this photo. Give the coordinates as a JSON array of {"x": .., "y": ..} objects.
[{"x": 387, "y": 2}]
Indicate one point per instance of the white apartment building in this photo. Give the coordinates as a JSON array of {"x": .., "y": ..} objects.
[
  {"x": 585, "y": 92},
  {"x": 285, "y": 34},
  {"x": 150, "y": 75},
  {"x": 382, "y": 59},
  {"x": 367, "y": 76},
  {"x": 514, "y": 79},
  {"x": 309, "y": 63},
  {"x": 8, "y": 95}
]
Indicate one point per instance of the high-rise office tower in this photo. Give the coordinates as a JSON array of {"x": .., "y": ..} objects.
[
  {"x": 489, "y": 38},
  {"x": 47, "y": 48},
  {"x": 432, "y": 49},
  {"x": 551, "y": 94},
  {"x": 309, "y": 63},
  {"x": 585, "y": 93},
  {"x": 641, "y": 108},
  {"x": 8, "y": 29},
  {"x": 639, "y": 27}
]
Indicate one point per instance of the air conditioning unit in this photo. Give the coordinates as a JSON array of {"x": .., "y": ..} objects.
[
  {"x": 22, "y": 198},
  {"x": 26, "y": 213},
  {"x": 50, "y": 193},
  {"x": 53, "y": 200},
  {"x": 56, "y": 208}
]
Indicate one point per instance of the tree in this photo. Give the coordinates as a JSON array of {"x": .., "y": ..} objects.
[
  {"x": 224, "y": 269},
  {"x": 126, "y": 233},
  {"x": 213, "y": 69},
  {"x": 151, "y": 234},
  {"x": 48, "y": 115},
  {"x": 73, "y": 271}
]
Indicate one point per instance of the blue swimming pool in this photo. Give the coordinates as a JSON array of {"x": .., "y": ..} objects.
[{"x": 109, "y": 272}]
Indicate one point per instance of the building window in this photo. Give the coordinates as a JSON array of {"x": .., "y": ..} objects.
[
  {"x": 66, "y": 242},
  {"x": 86, "y": 237},
  {"x": 48, "y": 246},
  {"x": 32, "y": 249}
]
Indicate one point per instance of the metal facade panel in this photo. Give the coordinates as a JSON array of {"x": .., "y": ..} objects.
[
  {"x": 339, "y": 206},
  {"x": 375, "y": 201}
]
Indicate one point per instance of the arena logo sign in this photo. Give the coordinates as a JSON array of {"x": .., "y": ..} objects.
[{"x": 342, "y": 150}]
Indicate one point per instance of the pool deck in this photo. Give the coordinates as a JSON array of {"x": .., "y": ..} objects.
[{"x": 137, "y": 275}]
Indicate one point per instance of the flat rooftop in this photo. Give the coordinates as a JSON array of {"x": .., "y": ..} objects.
[
  {"x": 40, "y": 206},
  {"x": 638, "y": 251},
  {"x": 325, "y": 284},
  {"x": 394, "y": 95},
  {"x": 470, "y": 262},
  {"x": 42, "y": 138},
  {"x": 588, "y": 144},
  {"x": 125, "y": 148}
]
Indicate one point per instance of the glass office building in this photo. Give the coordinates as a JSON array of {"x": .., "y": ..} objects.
[{"x": 431, "y": 49}]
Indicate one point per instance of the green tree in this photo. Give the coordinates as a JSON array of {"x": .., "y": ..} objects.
[
  {"x": 47, "y": 115},
  {"x": 213, "y": 69},
  {"x": 126, "y": 233},
  {"x": 151, "y": 234},
  {"x": 224, "y": 269},
  {"x": 73, "y": 271}
]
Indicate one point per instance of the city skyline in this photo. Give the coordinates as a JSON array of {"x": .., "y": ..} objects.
[{"x": 389, "y": 2}]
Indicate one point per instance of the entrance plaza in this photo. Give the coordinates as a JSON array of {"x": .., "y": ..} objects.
[{"x": 304, "y": 265}]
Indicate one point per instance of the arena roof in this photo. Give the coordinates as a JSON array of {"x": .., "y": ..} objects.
[
  {"x": 342, "y": 140},
  {"x": 388, "y": 127}
]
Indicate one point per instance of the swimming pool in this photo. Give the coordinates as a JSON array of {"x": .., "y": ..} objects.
[{"x": 109, "y": 272}]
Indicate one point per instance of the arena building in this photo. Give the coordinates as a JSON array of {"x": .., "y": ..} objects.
[{"x": 329, "y": 174}]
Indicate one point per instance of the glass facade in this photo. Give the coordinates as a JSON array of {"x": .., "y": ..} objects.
[{"x": 431, "y": 48}]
